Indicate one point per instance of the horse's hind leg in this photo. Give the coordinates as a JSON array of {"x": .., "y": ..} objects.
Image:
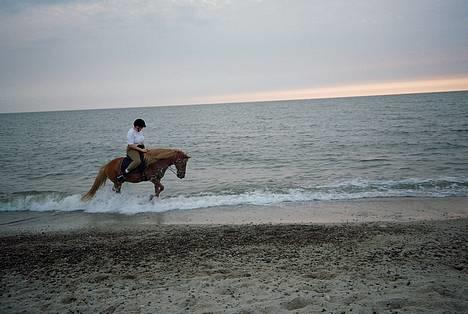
[{"x": 116, "y": 188}]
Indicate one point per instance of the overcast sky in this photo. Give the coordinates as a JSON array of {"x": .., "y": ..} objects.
[{"x": 58, "y": 55}]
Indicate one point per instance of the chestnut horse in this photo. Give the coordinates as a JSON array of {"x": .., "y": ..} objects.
[{"x": 157, "y": 161}]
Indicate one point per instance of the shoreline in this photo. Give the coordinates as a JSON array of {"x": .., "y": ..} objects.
[{"x": 315, "y": 212}]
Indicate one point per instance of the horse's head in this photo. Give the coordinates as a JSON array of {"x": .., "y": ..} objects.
[{"x": 180, "y": 163}]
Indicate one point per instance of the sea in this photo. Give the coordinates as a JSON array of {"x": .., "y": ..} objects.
[{"x": 243, "y": 154}]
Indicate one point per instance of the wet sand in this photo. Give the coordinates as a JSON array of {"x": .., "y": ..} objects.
[
  {"x": 136, "y": 264},
  {"x": 349, "y": 211}
]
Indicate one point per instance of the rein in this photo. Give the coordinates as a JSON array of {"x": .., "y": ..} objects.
[
  {"x": 172, "y": 170},
  {"x": 170, "y": 167}
]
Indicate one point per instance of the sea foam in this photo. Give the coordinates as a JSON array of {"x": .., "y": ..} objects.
[{"x": 107, "y": 201}]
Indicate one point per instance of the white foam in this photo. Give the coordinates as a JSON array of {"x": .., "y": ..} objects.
[{"x": 129, "y": 202}]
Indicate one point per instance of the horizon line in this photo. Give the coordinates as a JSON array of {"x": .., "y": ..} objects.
[{"x": 304, "y": 94}]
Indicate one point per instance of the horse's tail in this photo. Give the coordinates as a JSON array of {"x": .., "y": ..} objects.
[{"x": 98, "y": 182}]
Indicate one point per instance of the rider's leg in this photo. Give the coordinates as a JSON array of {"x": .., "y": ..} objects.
[{"x": 135, "y": 157}]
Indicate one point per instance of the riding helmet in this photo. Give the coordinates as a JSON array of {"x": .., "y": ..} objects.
[{"x": 139, "y": 122}]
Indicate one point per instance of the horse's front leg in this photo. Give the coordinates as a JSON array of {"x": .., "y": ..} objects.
[{"x": 158, "y": 187}]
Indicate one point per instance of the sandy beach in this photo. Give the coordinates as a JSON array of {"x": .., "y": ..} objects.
[{"x": 153, "y": 264}]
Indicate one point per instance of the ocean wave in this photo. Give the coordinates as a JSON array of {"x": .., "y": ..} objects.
[
  {"x": 108, "y": 202},
  {"x": 409, "y": 183}
]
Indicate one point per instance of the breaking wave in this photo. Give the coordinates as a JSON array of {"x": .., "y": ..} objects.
[{"x": 130, "y": 203}]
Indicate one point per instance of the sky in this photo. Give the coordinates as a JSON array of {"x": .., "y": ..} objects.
[{"x": 65, "y": 55}]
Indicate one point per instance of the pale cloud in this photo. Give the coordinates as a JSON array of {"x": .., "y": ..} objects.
[
  {"x": 369, "y": 89},
  {"x": 44, "y": 21},
  {"x": 81, "y": 54}
]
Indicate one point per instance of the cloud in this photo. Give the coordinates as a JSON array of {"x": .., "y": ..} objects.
[
  {"x": 359, "y": 89},
  {"x": 113, "y": 53},
  {"x": 43, "y": 21}
]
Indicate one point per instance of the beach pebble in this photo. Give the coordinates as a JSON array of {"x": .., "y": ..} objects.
[
  {"x": 68, "y": 299},
  {"x": 297, "y": 303},
  {"x": 100, "y": 277},
  {"x": 458, "y": 267}
]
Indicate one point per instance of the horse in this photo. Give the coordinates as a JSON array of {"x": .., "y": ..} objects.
[{"x": 156, "y": 160}]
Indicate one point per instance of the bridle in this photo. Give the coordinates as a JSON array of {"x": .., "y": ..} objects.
[{"x": 178, "y": 160}]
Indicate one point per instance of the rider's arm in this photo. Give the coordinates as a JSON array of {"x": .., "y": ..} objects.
[{"x": 135, "y": 147}]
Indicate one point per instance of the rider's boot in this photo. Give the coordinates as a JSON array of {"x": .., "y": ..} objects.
[{"x": 121, "y": 177}]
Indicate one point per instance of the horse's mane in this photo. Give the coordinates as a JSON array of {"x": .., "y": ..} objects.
[{"x": 161, "y": 153}]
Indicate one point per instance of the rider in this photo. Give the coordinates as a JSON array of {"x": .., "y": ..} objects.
[{"x": 135, "y": 146}]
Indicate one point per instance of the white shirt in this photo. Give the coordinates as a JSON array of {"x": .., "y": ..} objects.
[{"x": 134, "y": 137}]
